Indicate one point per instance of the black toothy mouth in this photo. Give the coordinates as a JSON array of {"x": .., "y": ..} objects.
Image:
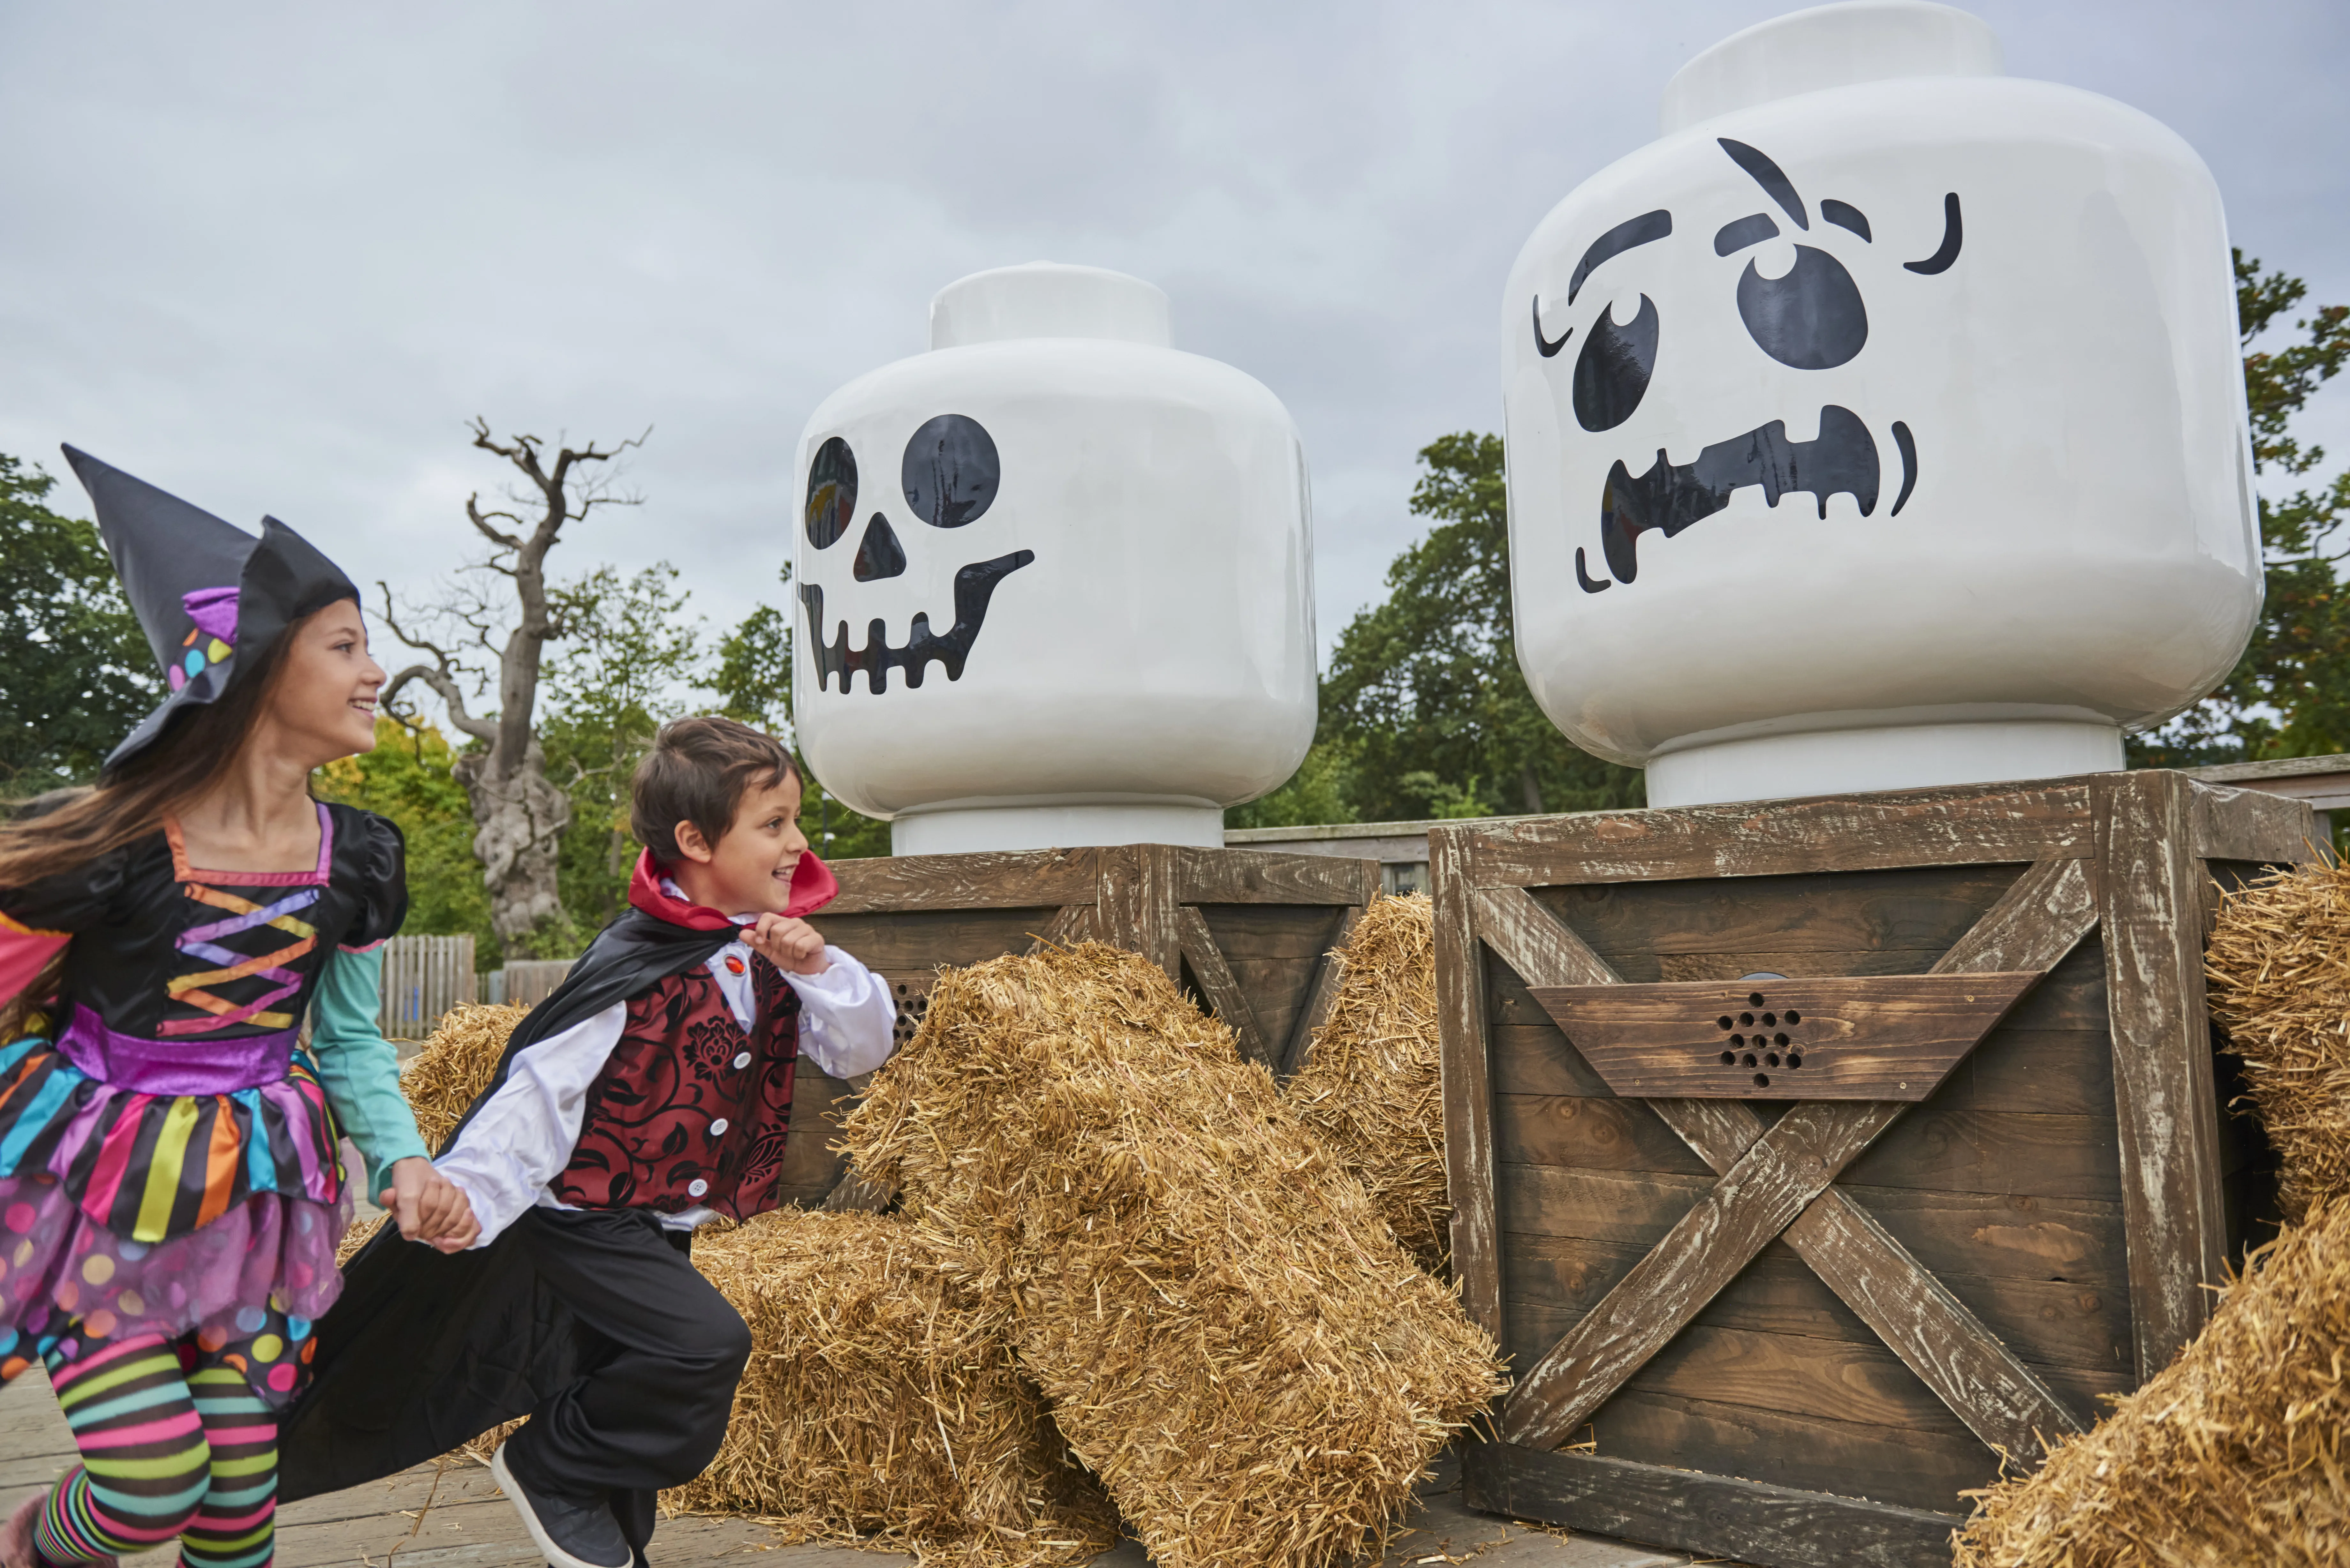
[
  {"x": 973, "y": 586},
  {"x": 1668, "y": 497}
]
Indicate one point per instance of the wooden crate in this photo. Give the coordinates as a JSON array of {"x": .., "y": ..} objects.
[
  {"x": 1792, "y": 1319},
  {"x": 1248, "y": 931}
]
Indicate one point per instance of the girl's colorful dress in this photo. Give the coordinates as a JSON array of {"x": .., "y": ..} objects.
[{"x": 169, "y": 1156}]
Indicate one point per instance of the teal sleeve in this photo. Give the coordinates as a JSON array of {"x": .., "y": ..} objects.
[{"x": 358, "y": 1067}]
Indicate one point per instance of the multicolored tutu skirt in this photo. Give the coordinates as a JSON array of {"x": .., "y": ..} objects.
[{"x": 204, "y": 1216}]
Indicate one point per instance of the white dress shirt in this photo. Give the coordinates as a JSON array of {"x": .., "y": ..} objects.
[{"x": 522, "y": 1137}]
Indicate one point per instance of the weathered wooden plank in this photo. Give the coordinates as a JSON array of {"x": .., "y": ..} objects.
[
  {"x": 2039, "y": 919},
  {"x": 1964, "y": 824},
  {"x": 1264, "y": 877},
  {"x": 1299, "y": 933},
  {"x": 818, "y": 1102},
  {"x": 1914, "y": 908},
  {"x": 1462, "y": 1069},
  {"x": 2251, "y": 824},
  {"x": 857, "y": 1194},
  {"x": 1551, "y": 1281},
  {"x": 1156, "y": 932},
  {"x": 2014, "y": 1236},
  {"x": 1904, "y": 1467},
  {"x": 1767, "y": 1526},
  {"x": 1587, "y": 1134},
  {"x": 1321, "y": 995},
  {"x": 1881, "y": 1037},
  {"x": 1597, "y": 1205},
  {"x": 1536, "y": 1059},
  {"x": 1072, "y": 924},
  {"x": 1831, "y": 1379},
  {"x": 1275, "y": 989},
  {"x": 2150, "y": 895},
  {"x": 918, "y": 942},
  {"x": 978, "y": 880},
  {"x": 1531, "y": 940},
  {"x": 1224, "y": 993},
  {"x": 2025, "y": 1072},
  {"x": 1754, "y": 1201}
]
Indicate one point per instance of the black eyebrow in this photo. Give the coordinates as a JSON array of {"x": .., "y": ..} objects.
[
  {"x": 1632, "y": 231},
  {"x": 1844, "y": 215},
  {"x": 1769, "y": 176},
  {"x": 1948, "y": 251},
  {"x": 1751, "y": 229}
]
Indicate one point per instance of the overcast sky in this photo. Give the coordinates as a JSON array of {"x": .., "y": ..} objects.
[{"x": 273, "y": 256}]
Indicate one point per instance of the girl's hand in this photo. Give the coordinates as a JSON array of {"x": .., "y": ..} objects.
[
  {"x": 428, "y": 1207},
  {"x": 790, "y": 945}
]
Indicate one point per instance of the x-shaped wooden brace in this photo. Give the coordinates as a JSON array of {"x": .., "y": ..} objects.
[{"x": 1778, "y": 1181}]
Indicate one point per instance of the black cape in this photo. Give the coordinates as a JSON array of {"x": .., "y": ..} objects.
[{"x": 427, "y": 1350}]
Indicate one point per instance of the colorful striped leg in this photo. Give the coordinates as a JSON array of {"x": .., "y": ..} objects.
[
  {"x": 145, "y": 1461},
  {"x": 236, "y": 1526}
]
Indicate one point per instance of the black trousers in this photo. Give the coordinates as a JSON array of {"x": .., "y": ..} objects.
[{"x": 660, "y": 1355}]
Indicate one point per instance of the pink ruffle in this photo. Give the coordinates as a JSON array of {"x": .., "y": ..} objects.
[{"x": 59, "y": 1268}]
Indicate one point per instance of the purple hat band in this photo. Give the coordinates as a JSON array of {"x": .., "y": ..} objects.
[{"x": 214, "y": 612}]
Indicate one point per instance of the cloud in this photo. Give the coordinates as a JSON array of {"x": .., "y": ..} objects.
[{"x": 273, "y": 256}]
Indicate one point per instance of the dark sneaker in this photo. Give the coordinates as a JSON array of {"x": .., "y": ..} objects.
[{"x": 570, "y": 1533}]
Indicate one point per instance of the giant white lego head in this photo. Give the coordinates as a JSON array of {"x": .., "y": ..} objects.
[
  {"x": 1055, "y": 577},
  {"x": 1879, "y": 425}
]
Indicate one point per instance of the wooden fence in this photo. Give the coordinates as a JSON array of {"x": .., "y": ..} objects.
[{"x": 424, "y": 977}]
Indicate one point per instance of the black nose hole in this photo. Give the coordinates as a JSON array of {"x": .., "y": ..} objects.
[{"x": 878, "y": 553}]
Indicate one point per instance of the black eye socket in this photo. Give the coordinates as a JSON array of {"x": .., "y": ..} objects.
[
  {"x": 1611, "y": 374},
  {"x": 831, "y": 493},
  {"x": 1810, "y": 319},
  {"x": 950, "y": 472}
]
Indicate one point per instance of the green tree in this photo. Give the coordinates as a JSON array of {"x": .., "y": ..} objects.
[
  {"x": 2290, "y": 695},
  {"x": 408, "y": 778},
  {"x": 629, "y": 658},
  {"x": 1424, "y": 712},
  {"x": 75, "y": 672},
  {"x": 751, "y": 679}
]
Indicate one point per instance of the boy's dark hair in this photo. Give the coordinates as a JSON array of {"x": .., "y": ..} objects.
[{"x": 698, "y": 772}]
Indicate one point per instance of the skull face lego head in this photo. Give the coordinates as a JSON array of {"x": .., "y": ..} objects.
[
  {"x": 1054, "y": 577},
  {"x": 1867, "y": 433},
  {"x": 950, "y": 474}
]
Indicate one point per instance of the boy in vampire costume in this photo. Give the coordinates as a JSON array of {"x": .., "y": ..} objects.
[{"x": 649, "y": 1093}]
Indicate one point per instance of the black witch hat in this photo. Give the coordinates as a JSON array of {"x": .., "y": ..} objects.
[{"x": 210, "y": 596}]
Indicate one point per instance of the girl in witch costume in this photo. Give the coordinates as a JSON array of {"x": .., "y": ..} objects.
[{"x": 171, "y": 1193}]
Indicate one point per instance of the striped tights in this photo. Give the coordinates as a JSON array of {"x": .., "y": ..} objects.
[{"x": 165, "y": 1453}]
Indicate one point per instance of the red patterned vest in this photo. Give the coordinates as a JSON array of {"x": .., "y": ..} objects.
[{"x": 690, "y": 1109}]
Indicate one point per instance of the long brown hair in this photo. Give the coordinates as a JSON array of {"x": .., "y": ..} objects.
[{"x": 67, "y": 829}]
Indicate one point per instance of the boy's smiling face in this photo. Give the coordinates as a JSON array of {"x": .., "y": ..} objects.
[{"x": 749, "y": 870}]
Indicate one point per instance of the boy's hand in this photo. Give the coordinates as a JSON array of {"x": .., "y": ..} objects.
[
  {"x": 790, "y": 945},
  {"x": 428, "y": 1207}
]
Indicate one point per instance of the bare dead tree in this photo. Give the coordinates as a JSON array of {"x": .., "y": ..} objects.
[{"x": 519, "y": 814}]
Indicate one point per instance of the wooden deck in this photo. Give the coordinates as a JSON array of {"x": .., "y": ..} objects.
[{"x": 451, "y": 1515}]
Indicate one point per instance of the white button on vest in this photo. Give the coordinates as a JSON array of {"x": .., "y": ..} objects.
[
  {"x": 742, "y": 1061},
  {"x": 718, "y": 1127},
  {"x": 696, "y": 1187}
]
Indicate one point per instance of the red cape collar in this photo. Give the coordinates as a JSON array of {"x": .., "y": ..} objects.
[{"x": 813, "y": 887}]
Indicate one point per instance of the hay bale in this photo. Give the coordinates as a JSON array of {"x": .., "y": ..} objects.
[
  {"x": 2233, "y": 1454},
  {"x": 1228, "y": 1334},
  {"x": 879, "y": 1403},
  {"x": 1370, "y": 1089},
  {"x": 2279, "y": 964},
  {"x": 455, "y": 1065}
]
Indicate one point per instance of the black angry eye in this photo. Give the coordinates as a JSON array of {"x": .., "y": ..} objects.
[
  {"x": 1611, "y": 374},
  {"x": 950, "y": 471},
  {"x": 1811, "y": 320},
  {"x": 831, "y": 493}
]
